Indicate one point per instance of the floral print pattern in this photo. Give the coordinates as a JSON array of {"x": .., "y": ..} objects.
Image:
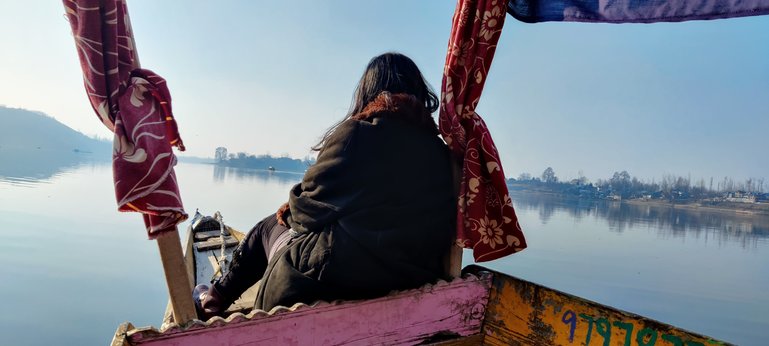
[
  {"x": 486, "y": 220},
  {"x": 462, "y": 52},
  {"x": 491, "y": 23},
  {"x": 491, "y": 233},
  {"x": 133, "y": 103}
]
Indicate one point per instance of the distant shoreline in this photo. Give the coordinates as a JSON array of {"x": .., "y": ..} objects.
[
  {"x": 723, "y": 207},
  {"x": 745, "y": 209}
]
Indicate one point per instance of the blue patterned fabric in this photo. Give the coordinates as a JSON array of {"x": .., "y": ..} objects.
[{"x": 632, "y": 11}]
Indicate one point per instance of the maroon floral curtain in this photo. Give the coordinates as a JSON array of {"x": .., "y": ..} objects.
[
  {"x": 133, "y": 103},
  {"x": 486, "y": 220}
]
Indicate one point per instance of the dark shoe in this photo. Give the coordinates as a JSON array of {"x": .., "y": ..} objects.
[{"x": 208, "y": 301}]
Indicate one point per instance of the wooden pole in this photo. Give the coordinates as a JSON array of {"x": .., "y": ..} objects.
[
  {"x": 177, "y": 278},
  {"x": 454, "y": 265},
  {"x": 453, "y": 261}
]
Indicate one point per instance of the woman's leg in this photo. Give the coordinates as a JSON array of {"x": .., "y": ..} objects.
[{"x": 249, "y": 261}]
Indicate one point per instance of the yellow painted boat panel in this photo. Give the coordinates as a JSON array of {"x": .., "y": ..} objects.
[{"x": 523, "y": 313}]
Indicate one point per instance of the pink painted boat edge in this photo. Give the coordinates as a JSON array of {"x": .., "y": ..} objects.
[{"x": 451, "y": 308}]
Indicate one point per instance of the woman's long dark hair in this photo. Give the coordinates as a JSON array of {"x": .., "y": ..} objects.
[{"x": 393, "y": 72}]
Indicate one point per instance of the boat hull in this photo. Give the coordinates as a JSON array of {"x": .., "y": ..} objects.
[
  {"x": 524, "y": 313},
  {"x": 481, "y": 308}
]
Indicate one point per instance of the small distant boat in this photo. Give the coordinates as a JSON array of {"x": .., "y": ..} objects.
[
  {"x": 483, "y": 307},
  {"x": 271, "y": 169}
]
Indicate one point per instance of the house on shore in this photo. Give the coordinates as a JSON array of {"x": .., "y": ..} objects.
[{"x": 741, "y": 197}]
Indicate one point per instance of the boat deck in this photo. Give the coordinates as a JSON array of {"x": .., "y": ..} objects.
[
  {"x": 203, "y": 254},
  {"x": 207, "y": 258}
]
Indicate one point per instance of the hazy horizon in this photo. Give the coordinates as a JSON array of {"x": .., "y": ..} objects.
[
  {"x": 64, "y": 161},
  {"x": 682, "y": 99}
]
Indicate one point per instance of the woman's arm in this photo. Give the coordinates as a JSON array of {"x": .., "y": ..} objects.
[{"x": 332, "y": 185}]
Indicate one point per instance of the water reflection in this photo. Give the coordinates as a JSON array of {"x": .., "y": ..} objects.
[
  {"x": 722, "y": 226},
  {"x": 222, "y": 174},
  {"x": 31, "y": 167}
]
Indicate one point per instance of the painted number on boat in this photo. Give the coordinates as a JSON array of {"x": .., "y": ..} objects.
[{"x": 603, "y": 328}]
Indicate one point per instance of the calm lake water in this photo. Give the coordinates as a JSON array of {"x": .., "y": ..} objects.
[{"x": 74, "y": 268}]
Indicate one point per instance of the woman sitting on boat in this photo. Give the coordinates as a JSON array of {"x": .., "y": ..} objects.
[{"x": 374, "y": 214}]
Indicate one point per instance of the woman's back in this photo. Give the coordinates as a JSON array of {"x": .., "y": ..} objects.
[
  {"x": 405, "y": 220},
  {"x": 376, "y": 211}
]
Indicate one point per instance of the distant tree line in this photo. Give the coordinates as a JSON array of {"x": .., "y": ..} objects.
[
  {"x": 244, "y": 160},
  {"x": 623, "y": 185}
]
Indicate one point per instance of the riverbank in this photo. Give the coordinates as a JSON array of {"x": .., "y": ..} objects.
[
  {"x": 724, "y": 207},
  {"x": 710, "y": 206}
]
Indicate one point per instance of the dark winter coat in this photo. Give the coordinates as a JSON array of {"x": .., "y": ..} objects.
[{"x": 375, "y": 213}]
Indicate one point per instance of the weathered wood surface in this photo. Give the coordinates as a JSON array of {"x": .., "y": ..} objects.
[
  {"x": 524, "y": 313},
  {"x": 206, "y": 266},
  {"x": 120, "y": 335},
  {"x": 215, "y": 243},
  {"x": 453, "y": 262},
  {"x": 207, "y": 255},
  {"x": 189, "y": 264},
  {"x": 472, "y": 340},
  {"x": 209, "y": 234},
  {"x": 177, "y": 277},
  {"x": 434, "y": 313}
]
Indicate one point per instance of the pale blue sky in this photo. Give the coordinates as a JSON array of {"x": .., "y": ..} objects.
[{"x": 269, "y": 77}]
